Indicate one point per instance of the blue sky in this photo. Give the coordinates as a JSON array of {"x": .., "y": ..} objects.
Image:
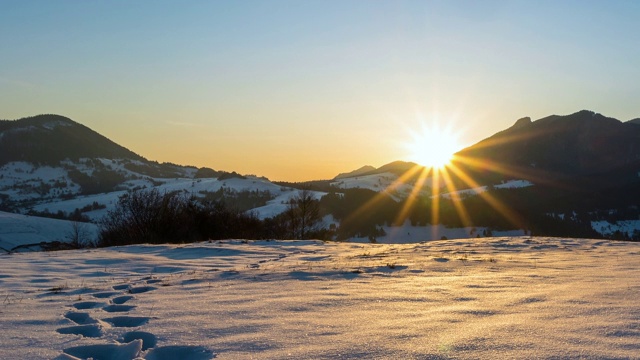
[{"x": 304, "y": 89}]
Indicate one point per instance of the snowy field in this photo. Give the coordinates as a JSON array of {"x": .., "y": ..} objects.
[{"x": 490, "y": 298}]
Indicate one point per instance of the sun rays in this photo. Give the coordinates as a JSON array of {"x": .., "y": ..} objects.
[
  {"x": 432, "y": 183},
  {"x": 432, "y": 146},
  {"x": 445, "y": 173}
]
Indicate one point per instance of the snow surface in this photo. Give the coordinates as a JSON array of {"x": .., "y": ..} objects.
[
  {"x": 491, "y": 298},
  {"x": 408, "y": 234},
  {"x": 16, "y": 229}
]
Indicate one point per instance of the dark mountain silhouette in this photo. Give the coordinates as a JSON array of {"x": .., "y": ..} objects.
[
  {"x": 398, "y": 168},
  {"x": 584, "y": 149},
  {"x": 360, "y": 171},
  {"x": 49, "y": 139}
]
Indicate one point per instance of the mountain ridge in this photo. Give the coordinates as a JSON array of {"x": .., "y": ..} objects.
[
  {"x": 49, "y": 139},
  {"x": 556, "y": 149}
]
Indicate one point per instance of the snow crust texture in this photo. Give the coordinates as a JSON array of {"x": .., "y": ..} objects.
[{"x": 510, "y": 297}]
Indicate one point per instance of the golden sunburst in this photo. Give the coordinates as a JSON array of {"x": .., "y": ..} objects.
[{"x": 433, "y": 146}]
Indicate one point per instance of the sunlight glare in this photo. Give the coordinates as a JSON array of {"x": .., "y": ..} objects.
[{"x": 433, "y": 146}]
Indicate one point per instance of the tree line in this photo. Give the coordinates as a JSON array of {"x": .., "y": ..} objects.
[{"x": 150, "y": 216}]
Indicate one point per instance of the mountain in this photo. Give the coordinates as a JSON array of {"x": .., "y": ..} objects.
[
  {"x": 397, "y": 168},
  {"x": 360, "y": 171},
  {"x": 49, "y": 139},
  {"x": 54, "y": 140},
  {"x": 584, "y": 149}
]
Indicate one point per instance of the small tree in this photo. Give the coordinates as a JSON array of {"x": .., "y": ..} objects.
[
  {"x": 303, "y": 214},
  {"x": 79, "y": 236}
]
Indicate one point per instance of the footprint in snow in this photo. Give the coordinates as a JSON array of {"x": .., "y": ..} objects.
[
  {"x": 104, "y": 351},
  {"x": 127, "y": 321},
  {"x": 80, "y": 318},
  {"x": 141, "y": 289},
  {"x": 149, "y": 340},
  {"x": 105, "y": 294},
  {"x": 118, "y": 308},
  {"x": 84, "y": 305},
  {"x": 90, "y": 331},
  {"x": 120, "y": 287},
  {"x": 121, "y": 299},
  {"x": 87, "y": 326},
  {"x": 134, "y": 343}
]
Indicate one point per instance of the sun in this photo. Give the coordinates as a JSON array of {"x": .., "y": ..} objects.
[{"x": 433, "y": 146}]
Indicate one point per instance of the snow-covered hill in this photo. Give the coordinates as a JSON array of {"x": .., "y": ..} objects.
[
  {"x": 492, "y": 298},
  {"x": 383, "y": 182},
  {"x": 54, "y": 191},
  {"x": 27, "y": 187},
  {"x": 20, "y": 230}
]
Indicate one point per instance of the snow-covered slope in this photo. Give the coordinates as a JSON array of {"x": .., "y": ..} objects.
[
  {"x": 195, "y": 187},
  {"x": 29, "y": 189},
  {"x": 493, "y": 298},
  {"x": 407, "y": 233},
  {"x": 384, "y": 182},
  {"x": 279, "y": 204},
  {"x": 511, "y": 184},
  {"x": 390, "y": 183},
  {"x": 52, "y": 189},
  {"x": 627, "y": 227},
  {"x": 17, "y": 230}
]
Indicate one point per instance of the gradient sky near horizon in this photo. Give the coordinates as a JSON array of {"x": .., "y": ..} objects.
[{"x": 301, "y": 90}]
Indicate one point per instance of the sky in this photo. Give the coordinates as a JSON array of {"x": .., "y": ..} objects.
[{"x": 302, "y": 90}]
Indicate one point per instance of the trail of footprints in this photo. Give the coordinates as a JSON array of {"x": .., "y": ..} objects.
[{"x": 132, "y": 344}]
